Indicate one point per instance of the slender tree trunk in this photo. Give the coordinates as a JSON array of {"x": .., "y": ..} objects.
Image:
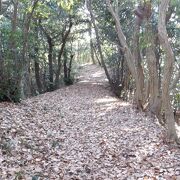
[
  {"x": 65, "y": 66},
  {"x": 50, "y": 61},
  {"x": 37, "y": 71},
  {"x": 1, "y": 53},
  {"x": 14, "y": 26},
  {"x": 146, "y": 92},
  {"x": 168, "y": 70},
  {"x": 78, "y": 51},
  {"x": 64, "y": 40},
  {"x": 128, "y": 55},
  {"x": 50, "y": 57},
  {"x": 154, "y": 99},
  {"x": 36, "y": 61},
  {"x": 96, "y": 54},
  {"x": 25, "y": 76},
  {"x": 0, "y": 7},
  {"x": 45, "y": 87},
  {"x": 58, "y": 72},
  {"x": 70, "y": 66},
  {"x": 1, "y": 60},
  {"x": 37, "y": 75},
  {"x": 13, "y": 48},
  {"x": 137, "y": 55},
  {"x": 91, "y": 43},
  {"x": 158, "y": 59},
  {"x": 89, "y": 3}
]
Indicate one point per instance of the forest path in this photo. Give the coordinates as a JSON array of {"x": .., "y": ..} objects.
[{"x": 82, "y": 132}]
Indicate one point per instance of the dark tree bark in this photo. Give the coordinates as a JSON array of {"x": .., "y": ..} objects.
[
  {"x": 36, "y": 61},
  {"x": 37, "y": 76},
  {"x": 25, "y": 76},
  {"x": 65, "y": 66},
  {"x": 64, "y": 40},
  {"x": 1, "y": 61},
  {"x": 70, "y": 66},
  {"x": 50, "y": 57},
  {"x": 0, "y": 7},
  {"x": 1, "y": 56},
  {"x": 67, "y": 69},
  {"x": 13, "y": 48},
  {"x": 50, "y": 61},
  {"x": 96, "y": 54},
  {"x": 37, "y": 68}
]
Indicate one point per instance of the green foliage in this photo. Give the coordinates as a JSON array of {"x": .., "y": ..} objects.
[
  {"x": 69, "y": 81},
  {"x": 9, "y": 90},
  {"x": 176, "y": 101},
  {"x": 42, "y": 11},
  {"x": 19, "y": 175},
  {"x": 68, "y": 5}
]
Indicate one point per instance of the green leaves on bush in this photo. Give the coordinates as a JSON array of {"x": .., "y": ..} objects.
[{"x": 9, "y": 90}]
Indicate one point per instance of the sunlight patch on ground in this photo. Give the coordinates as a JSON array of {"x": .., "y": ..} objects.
[
  {"x": 110, "y": 103},
  {"x": 90, "y": 82},
  {"x": 97, "y": 74},
  {"x": 86, "y": 64},
  {"x": 110, "y": 100},
  {"x": 85, "y": 81},
  {"x": 106, "y": 100}
]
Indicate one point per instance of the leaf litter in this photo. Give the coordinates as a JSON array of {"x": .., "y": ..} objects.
[{"x": 83, "y": 132}]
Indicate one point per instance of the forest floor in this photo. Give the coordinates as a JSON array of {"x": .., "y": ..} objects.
[{"x": 83, "y": 132}]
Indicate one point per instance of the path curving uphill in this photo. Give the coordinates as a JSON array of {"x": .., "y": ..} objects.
[{"x": 82, "y": 132}]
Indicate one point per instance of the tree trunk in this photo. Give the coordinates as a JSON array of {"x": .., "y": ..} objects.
[
  {"x": 137, "y": 55},
  {"x": 128, "y": 55},
  {"x": 0, "y": 7},
  {"x": 91, "y": 43},
  {"x": 37, "y": 76},
  {"x": 13, "y": 36},
  {"x": 96, "y": 54},
  {"x": 50, "y": 57},
  {"x": 36, "y": 61},
  {"x": 154, "y": 99},
  {"x": 1, "y": 61},
  {"x": 14, "y": 63},
  {"x": 25, "y": 81},
  {"x": 65, "y": 66},
  {"x": 89, "y": 3},
  {"x": 1, "y": 53},
  {"x": 50, "y": 62},
  {"x": 37, "y": 71},
  {"x": 70, "y": 66},
  {"x": 64, "y": 39},
  {"x": 168, "y": 70}
]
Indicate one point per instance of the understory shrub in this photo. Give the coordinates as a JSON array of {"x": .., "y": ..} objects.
[{"x": 9, "y": 90}]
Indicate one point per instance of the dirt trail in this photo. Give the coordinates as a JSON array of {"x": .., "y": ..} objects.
[{"x": 82, "y": 132}]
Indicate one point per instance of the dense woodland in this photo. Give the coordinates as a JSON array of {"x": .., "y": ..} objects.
[
  {"x": 42, "y": 43},
  {"x": 89, "y": 89}
]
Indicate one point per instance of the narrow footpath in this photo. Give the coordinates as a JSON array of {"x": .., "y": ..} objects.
[{"x": 83, "y": 132}]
